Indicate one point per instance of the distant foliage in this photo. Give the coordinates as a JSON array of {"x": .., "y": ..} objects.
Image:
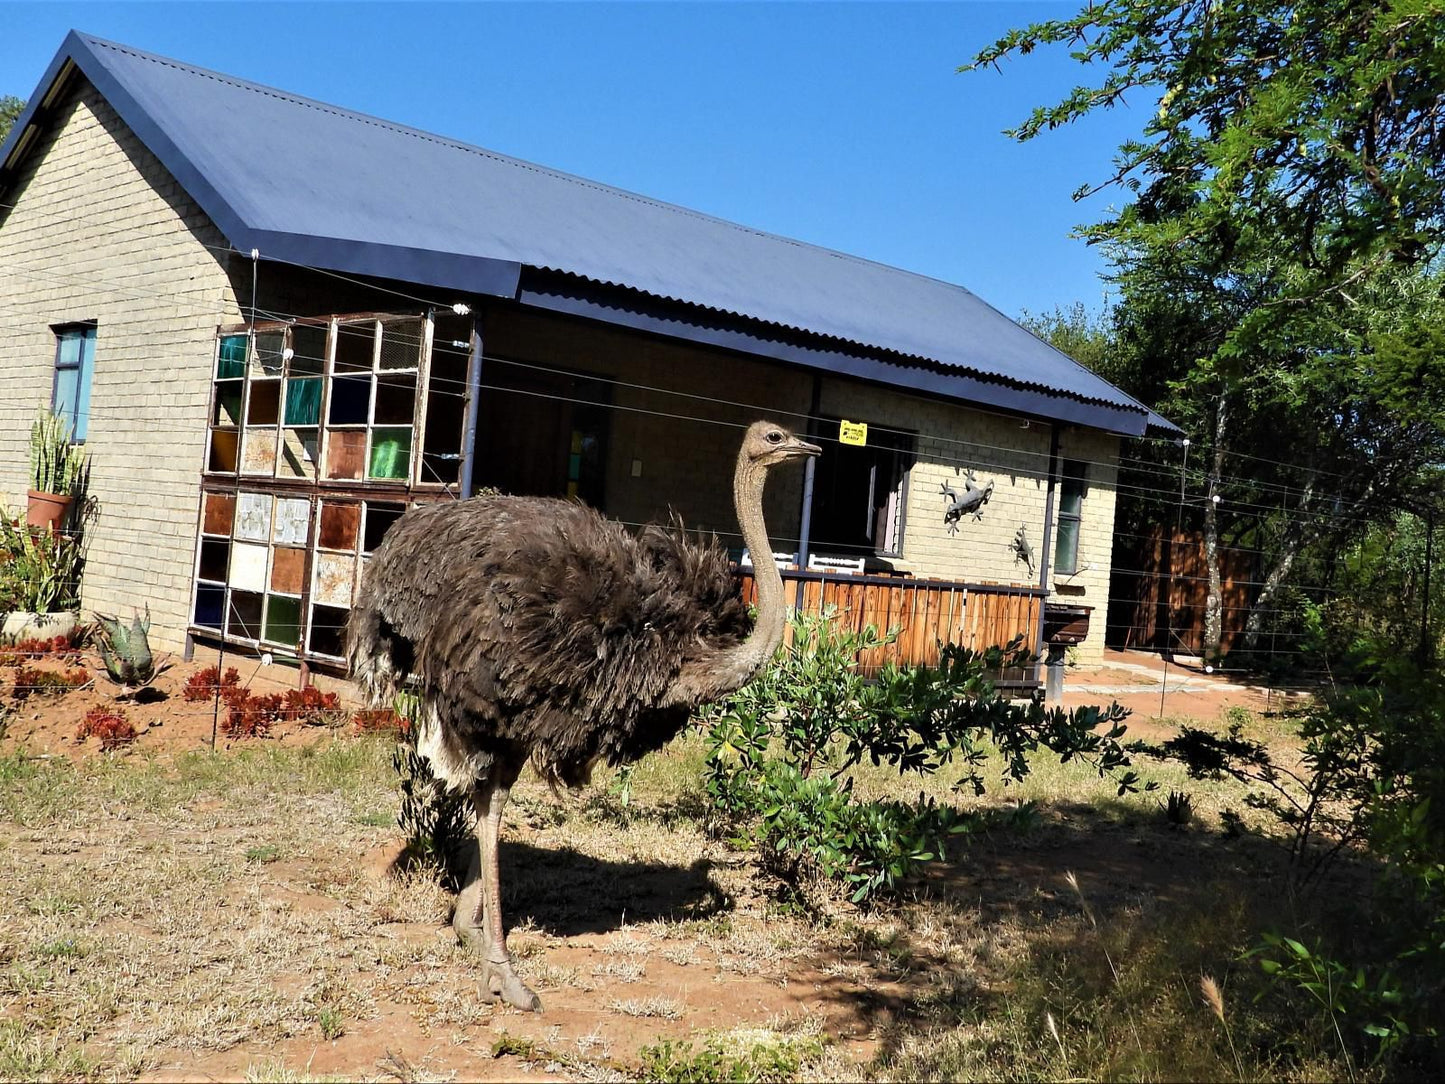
[{"x": 781, "y": 750}]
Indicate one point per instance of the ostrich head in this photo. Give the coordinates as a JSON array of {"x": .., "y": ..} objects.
[{"x": 767, "y": 444}]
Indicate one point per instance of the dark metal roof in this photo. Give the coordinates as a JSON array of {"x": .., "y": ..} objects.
[{"x": 317, "y": 185}]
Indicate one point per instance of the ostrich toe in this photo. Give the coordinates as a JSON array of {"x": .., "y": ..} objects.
[{"x": 499, "y": 980}]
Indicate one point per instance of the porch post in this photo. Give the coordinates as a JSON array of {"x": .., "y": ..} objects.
[
  {"x": 1047, "y": 554},
  {"x": 805, "y": 518},
  {"x": 474, "y": 397}
]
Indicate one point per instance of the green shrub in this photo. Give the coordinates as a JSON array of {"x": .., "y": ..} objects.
[{"x": 781, "y": 750}]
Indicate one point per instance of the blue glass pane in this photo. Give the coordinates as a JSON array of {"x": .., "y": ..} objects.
[
  {"x": 87, "y": 366},
  {"x": 69, "y": 347},
  {"x": 231, "y": 359},
  {"x": 66, "y": 392}
]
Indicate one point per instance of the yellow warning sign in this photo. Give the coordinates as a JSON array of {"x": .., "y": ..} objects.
[{"x": 853, "y": 433}]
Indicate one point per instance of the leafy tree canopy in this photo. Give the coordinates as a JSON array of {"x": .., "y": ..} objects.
[
  {"x": 10, "y": 109},
  {"x": 1310, "y": 130}
]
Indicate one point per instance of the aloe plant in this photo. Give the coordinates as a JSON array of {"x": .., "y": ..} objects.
[
  {"x": 126, "y": 653},
  {"x": 56, "y": 465}
]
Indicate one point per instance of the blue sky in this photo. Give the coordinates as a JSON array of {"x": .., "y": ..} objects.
[{"x": 843, "y": 125}]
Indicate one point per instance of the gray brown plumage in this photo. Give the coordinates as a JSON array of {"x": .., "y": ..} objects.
[{"x": 534, "y": 628}]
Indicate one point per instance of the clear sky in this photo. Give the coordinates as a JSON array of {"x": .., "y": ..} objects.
[{"x": 845, "y": 125}]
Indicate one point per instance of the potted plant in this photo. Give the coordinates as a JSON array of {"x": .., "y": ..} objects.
[
  {"x": 39, "y": 582},
  {"x": 57, "y": 471}
]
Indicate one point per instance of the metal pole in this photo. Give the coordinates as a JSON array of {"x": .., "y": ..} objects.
[
  {"x": 805, "y": 518},
  {"x": 474, "y": 400},
  {"x": 1046, "y": 543}
]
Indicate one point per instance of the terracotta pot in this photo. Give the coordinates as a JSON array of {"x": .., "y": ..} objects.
[{"x": 47, "y": 510}]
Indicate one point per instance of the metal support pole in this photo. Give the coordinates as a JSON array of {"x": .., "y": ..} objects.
[
  {"x": 474, "y": 400},
  {"x": 805, "y": 517},
  {"x": 1047, "y": 543}
]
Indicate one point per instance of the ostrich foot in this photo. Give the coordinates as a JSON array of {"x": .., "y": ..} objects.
[{"x": 500, "y": 981}]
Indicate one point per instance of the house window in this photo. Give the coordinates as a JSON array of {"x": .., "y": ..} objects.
[
  {"x": 74, "y": 362},
  {"x": 1071, "y": 509},
  {"x": 858, "y": 495}
]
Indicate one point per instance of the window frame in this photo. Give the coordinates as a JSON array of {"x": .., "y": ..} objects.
[
  {"x": 84, "y": 369},
  {"x": 1073, "y": 481}
]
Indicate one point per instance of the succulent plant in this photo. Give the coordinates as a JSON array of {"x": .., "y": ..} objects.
[
  {"x": 126, "y": 653},
  {"x": 56, "y": 465}
]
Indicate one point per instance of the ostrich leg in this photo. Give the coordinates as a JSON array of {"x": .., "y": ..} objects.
[
  {"x": 498, "y": 977},
  {"x": 469, "y": 918}
]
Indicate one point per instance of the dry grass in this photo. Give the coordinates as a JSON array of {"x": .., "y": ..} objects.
[{"x": 228, "y": 911}]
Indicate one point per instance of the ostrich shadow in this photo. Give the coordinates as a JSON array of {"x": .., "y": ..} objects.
[{"x": 565, "y": 892}]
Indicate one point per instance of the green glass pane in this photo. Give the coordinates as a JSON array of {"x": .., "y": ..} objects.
[
  {"x": 1066, "y": 546},
  {"x": 390, "y": 453},
  {"x": 231, "y": 361},
  {"x": 303, "y": 402},
  {"x": 283, "y": 620}
]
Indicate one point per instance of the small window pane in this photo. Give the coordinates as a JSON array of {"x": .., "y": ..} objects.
[
  {"x": 87, "y": 364},
  {"x": 1066, "y": 549},
  {"x": 265, "y": 402},
  {"x": 227, "y": 411},
  {"x": 308, "y": 349},
  {"x": 67, "y": 392},
  {"x": 350, "y": 400},
  {"x": 283, "y": 620},
  {"x": 395, "y": 400},
  {"x": 355, "y": 345},
  {"x": 328, "y": 630},
  {"x": 401, "y": 344},
  {"x": 303, "y": 401},
  {"x": 269, "y": 351},
  {"x": 231, "y": 357},
  {"x": 390, "y": 454},
  {"x": 210, "y": 601},
  {"x": 224, "y": 444}
]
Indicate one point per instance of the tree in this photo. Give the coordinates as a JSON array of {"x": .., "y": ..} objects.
[
  {"x": 1286, "y": 202},
  {"x": 10, "y": 109}
]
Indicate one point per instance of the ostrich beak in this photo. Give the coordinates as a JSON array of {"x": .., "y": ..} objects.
[{"x": 797, "y": 448}]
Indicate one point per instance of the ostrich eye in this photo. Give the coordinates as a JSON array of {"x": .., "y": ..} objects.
[{"x": 775, "y": 437}]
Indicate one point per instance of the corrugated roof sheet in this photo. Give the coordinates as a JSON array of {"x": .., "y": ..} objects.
[{"x": 305, "y": 181}]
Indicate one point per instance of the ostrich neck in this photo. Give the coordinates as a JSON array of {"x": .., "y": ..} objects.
[{"x": 716, "y": 673}]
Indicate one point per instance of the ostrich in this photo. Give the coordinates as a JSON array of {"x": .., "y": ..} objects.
[{"x": 534, "y": 628}]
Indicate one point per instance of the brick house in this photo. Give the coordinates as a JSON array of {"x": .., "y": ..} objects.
[{"x": 277, "y": 323}]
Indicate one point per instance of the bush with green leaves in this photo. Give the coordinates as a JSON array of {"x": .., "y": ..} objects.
[
  {"x": 782, "y": 750},
  {"x": 1369, "y": 784},
  {"x": 39, "y": 572}
]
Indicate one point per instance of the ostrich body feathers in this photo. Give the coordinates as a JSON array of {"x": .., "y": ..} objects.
[{"x": 534, "y": 627}]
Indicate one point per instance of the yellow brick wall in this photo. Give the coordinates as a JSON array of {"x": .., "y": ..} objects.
[{"x": 100, "y": 231}]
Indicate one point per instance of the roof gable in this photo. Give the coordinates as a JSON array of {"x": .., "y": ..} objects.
[{"x": 310, "y": 183}]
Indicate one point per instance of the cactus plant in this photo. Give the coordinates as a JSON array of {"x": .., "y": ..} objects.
[{"x": 126, "y": 653}]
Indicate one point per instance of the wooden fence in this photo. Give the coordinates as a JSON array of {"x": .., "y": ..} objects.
[
  {"x": 926, "y": 613},
  {"x": 1159, "y": 589}
]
